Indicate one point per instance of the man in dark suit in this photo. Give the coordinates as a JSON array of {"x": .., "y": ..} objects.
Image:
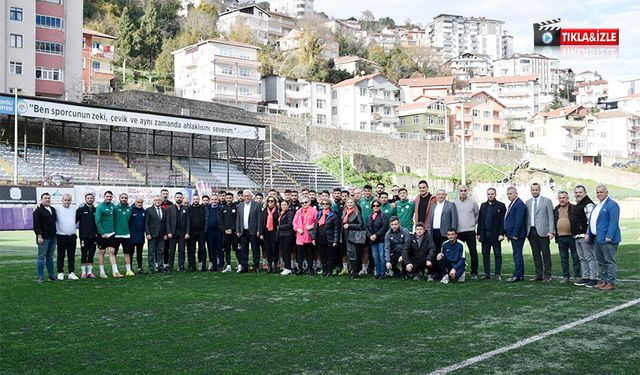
[
  {"x": 247, "y": 229},
  {"x": 490, "y": 232},
  {"x": 155, "y": 228},
  {"x": 178, "y": 227},
  {"x": 541, "y": 232},
  {"x": 515, "y": 229}
]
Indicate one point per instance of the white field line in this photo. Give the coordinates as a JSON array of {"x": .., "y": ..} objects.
[{"x": 532, "y": 339}]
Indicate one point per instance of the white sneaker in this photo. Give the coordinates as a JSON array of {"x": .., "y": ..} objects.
[
  {"x": 362, "y": 272},
  {"x": 285, "y": 272},
  {"x": 227, "y": 269},
  {"x": 61, "y": 276},
  {"x": 72, "y": 276},
  {"x": 462, "y": 277},
  {"x": 239, "y": 268},
  {"x": 429, "y": 278},
  {"x": 445, "y": 279},
  {"x": 103, "y": 275}
]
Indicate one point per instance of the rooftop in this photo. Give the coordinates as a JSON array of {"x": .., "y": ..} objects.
[{"x": 430, "y": 81}]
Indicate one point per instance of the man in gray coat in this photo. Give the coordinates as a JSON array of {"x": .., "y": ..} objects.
[
  {"x": 541, "y": 229},
  {"x": 248, "y": 216}
]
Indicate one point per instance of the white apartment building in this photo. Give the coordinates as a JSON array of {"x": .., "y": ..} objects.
[
  {"x": 469, "y": 65},
  {"x": 41, "y": 51},
  {"x": 219, "y": 70},
  {"x": 347, "y": 28},
  {"x": 294, "y": 8},
  {"x": 430, "y": 87},
  {"x": 351, "y": 63},
  {"x": 587, "y": 76},
  {"x": 279, "y": 25},
  {"x": 452, "y": 35},
  {"x": 619, "y": 135},
  {"x": 298, "y": 98},
  {"x": 367, "y": 103},
  {"x": 291, "y": 41},
  {"x": 386, "y": 38},
  {"x": 592, "y": 93},
  {"x": 256, "y": 19},
  {"x": 569, "y": 133},
  {"x": 520, "y": 95},
  {"x": 532, "y": 64}
]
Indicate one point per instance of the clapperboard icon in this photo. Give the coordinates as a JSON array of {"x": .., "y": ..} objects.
[{"x": 546, "y": 33}]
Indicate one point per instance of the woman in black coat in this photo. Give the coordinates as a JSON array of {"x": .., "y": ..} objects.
[
  {"x": 352, "y": 225},
  {"x": 325, "y": 235},
  {"x": 286, "y": 236},
  {"x": 268, "y": 233},
  {"x": 377, "y": 226}
]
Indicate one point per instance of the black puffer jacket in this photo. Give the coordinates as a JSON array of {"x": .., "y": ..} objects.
[{"x": 285, "y": 224}]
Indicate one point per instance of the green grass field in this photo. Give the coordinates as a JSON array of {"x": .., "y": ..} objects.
[{"x": 229, "y": 323}]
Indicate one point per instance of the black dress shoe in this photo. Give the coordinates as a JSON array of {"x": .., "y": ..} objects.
[
  {"x": 311, "y": 272},
  {"x": 300, "y": 272},
  {"x": 486, "y": 277},
  {"x": 536, "y": 278}
]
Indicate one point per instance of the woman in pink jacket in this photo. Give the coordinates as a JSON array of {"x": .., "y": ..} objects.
[{"x": 302, "y": 224}]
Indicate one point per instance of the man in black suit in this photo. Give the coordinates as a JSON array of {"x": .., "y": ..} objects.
[
  {"x": 247, "y": 219},
  {"x": 155, "y": 225},
  {"x": 178, "y": 227},
  {"x": 490, "y": 232},
  {"x": 44, "y": 226}
]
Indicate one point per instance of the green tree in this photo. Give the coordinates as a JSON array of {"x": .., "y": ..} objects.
[
  {"x": 149, "y": 37},
  {"x": 556, "y": 102},
  {"x": 125, "y": 37}
]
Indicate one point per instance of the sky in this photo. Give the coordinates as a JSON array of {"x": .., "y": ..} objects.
[{"x": 519, "y": 16}]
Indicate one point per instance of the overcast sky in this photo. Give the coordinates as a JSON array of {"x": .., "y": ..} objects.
[{"x": 519, "y": 17}]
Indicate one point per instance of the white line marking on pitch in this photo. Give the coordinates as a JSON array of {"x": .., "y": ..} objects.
[{"x": 532, "y": 339}]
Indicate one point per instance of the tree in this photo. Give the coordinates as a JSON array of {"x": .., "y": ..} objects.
[
  {"x": 387, "y": 22},
  {"x": 556, "y": 102},
  {"x": 125, "y": 37},
  {"x": 263, "y": 5},
  {"x": 149, "y": 37},
  {"x": 367, "y": 16},
  {"x": 351, "y": 47},
  {"x": 242, "y": 33}
]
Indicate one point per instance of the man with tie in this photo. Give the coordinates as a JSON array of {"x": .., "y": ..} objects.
[
  {"x": 541, "y": 232},
  {"x": 247, "y": 220},
  {"x": 515, "y": 229},
  {"x": 490, "y": 233},
  {"x": 604, "y": 234},
  {"x": 155, "y": 228}
]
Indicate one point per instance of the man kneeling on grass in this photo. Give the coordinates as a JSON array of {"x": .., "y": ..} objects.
[
  {"x": 451, "y": 258},
  {"x": 419, "y": 253}
]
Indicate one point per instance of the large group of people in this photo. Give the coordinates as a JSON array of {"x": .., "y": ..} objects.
[{"x": 345, "y": 232}]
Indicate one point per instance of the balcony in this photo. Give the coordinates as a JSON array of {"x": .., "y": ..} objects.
[
  {"x": 573, "y": 124},
  {"x": 383, "y": 101},
  {"x": 302, "y": 94},
  {"x": 232, "y": 60}
]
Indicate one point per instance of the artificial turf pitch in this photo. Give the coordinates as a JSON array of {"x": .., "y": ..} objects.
[{"x": 243, "y": 323}]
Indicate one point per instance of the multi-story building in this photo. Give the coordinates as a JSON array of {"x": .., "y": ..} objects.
[
  {"x": 294, "y": 8},
  {"x": 291, "y": 41},
  {"x": 298, "y": 98},
  {"x": 519, "y": 94},
  {"x": 565, "y": 133},
  {"x": 351, "y": 63},
  {"x": 254, "y": 17},
  {"x": 97, "y": 58},
  {"x": 414, "y": 37},
  {"x": 483, "y": 122},
  {"x": 425, "y": 116},
  {"x": 628, "y": 103},
  {"x": 619, "y": 135},
  {"x": 587, "y": 76},
  {"x": 279, "y": 25},
  {"x": 348, "y": 28},
  {"x": 414, "y": 88},
  {"x": 532, "y": 64},
  {"x": 42, "y": 48},
  {"x": 365, "y": 103},
  {"x": 219, "y": 70},
  {"x": 469, "y": 65},
  {"x": 592, "y": 93},
  {"x": 452, "y": 35},
  {"x": 386, "y": 38},
  {"x": 566, "y": 82}
]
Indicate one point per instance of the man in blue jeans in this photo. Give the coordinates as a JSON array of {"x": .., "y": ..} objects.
[
  {"x": 515, "y": 229},
  {"x": 44, "y": 226},
  {"x": 604, "y": 234}
]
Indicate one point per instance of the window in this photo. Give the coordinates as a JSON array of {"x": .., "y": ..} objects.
[
  {"x": 84, "y": 63},
  {"x": 387, "y": 95},
  {"x": 486, "y": 128},
  {"x": 244, "y": 91},
  {"x": 334, "y": 111},
  {"x": 363, "y": 92},
  {"x": 363, "y": 108},
  {"x": 387, "y": 111},
  {"x": 476, "y": 113},
  {"x": 225, "y": 51},
  {"x": 321, "y": 120},
  {"x": 15, "y": 67},
  {"x": 321, "y": 89},
  {"x": 15, "y": 40},
  {"x": 49, "y": 74},
  {"x": 476, "y": 127},
  {"x": 49, "y": 47},
  {"x": 95, "y": 65},
  {"x": 49, "y": 22},
  {"x": 416, "y": 119},
  {"x": 320, "y": 104},
  {"x": 363, "y": 125},
  {"x": 95, "y": 45},
  {"x": 227, "y": 70},
  {"x": 15, "y": 14},
  {"x": 487, "y": 114},
  {"x": 402, "y": 121},
  {"x": 430, "y": 119},
  {"x": 334, "y": 94},
  {"x": 244, "y": 72}
]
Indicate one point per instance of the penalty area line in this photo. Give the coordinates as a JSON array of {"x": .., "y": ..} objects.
[{"x": 532, "y": 339}]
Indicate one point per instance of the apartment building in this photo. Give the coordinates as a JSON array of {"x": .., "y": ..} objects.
[
  {"x": 414, "y": 88},
  {"x": 519, "y": 94},
  {"x": 532, "y": 64},
  {"x": 351, "y": 64},
  {"x": 452, "y": 35},
  {"x": 425, "y": 116},
  {"x": 469, "y": 65},
  {"x": 592, "y": 93},
  {"x": 298, "y": 98},
  {"x": 254, "y": 17},
  {"x": 294, "y": 8},
  {"x": 366, "y": 103},
  {"x": 483, "y": 120},
  {"x": 619, "y": 134},
  {"x": 219, "y": 70},
  {"x": 97, "y": 58},
  {"x": 42, "y": 48}
]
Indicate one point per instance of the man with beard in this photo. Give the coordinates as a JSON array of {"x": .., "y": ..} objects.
[
  {"x": 197, "y": 232},
  {"x": 178, "y": 227}
]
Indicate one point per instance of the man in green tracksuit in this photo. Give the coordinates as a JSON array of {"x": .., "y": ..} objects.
[
  {"x": 122, "y": 215},
  {"x": 385, "y": 206},
  {"x": 365, "y": 206},
  {"x": 106, "y": 234},
  {"x": 404, "y": 210}
]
